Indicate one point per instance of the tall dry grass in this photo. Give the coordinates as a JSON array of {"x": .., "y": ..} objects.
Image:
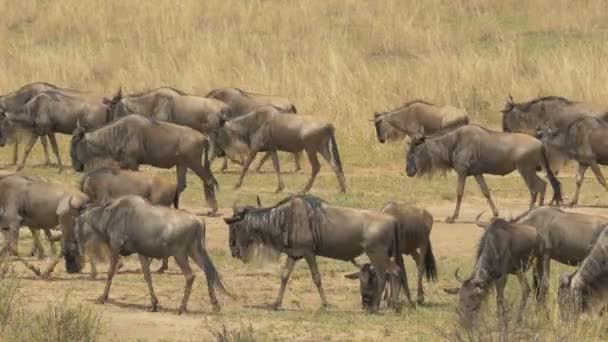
[{"x": 338, "y": 59}]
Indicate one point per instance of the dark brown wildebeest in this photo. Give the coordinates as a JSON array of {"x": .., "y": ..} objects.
[
  {"x": 305, "y": 226},
  {"x": 131, "y": 225},
  {"x": 415, "y": 115},
  {"x": 243, "y": 102},
  {"x": 266, "y": 129},
  {"x": 586, "y": 288},
  {"x": 52, "y": 112},
  {"x": 472, "y": 150},
  {"x": 104, "y": 185},
  {"x": 504, "y": 248},
  {"x": 135, "y": 139},
  {"x": 171, "y": 105},
  {"x": 583, "y": 140},
  {"x": 37, "y": 205},
  {"x": 415, "y": 229}
]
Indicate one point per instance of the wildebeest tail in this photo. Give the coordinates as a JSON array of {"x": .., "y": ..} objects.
[
  {"x": 430, "y": 266},
  {"x": 555, "y": 184},
  {"x": 335, "y": 156},
  {"x": 399, "y": 257}
]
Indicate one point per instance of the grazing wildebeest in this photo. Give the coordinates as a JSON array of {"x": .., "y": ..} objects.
[
  {"x": 415, "y": 115},
  {"x": 587, "y": 287},
  {"x": 583, "y": 140},
  {"x": 105, "y": 184},
  {"x": 171, "y": 105},
  {"x": 37, "y": 205},
  {"x": 131, "y": 225},
  {"x": 242, "y": 102},
  {"x": 135, "y": 139},
  {"x": 51, "y": 112},
  {"x": 266, "y": 129},
  {"x": 472, "y": 150},
  {"x": 415, "y": 229},
  {"x": 567, "y": 237},
  {"x": 504, "y": 248},
  {"x": 305, "y": 226}
]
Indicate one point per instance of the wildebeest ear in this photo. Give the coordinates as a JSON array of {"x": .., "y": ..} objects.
[
  {"x": 352, "y": 275},
  {"x": 258, "y": 201}
]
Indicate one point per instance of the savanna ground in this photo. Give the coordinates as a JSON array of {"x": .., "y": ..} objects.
[{"x": 338, "y": 61}]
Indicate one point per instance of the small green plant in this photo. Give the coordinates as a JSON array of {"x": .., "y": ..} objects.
[{"x": 241, "y": 334}]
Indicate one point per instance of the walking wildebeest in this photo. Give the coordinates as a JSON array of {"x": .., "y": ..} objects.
[
  {"x": 37, "y": 205},
  {"x": 472, "y": 150},
  {"x": 135, "y": 139},
  {"x": 103, "y": 185},
  {"x": 305, "y": 226},
  {"x": 587, "y": 287},
  {"x": 415, "y": 226},
  {"x": 415, "y": 115},
  {"x": 266, "y": 129},
  {"x": 171, "y": 105},
  {"x": 131, "y": 225},
  {"x": 52, "y": 112},
  {"x": 242, "y": 102},
  {"x": 504, "y": 248},
  {"x": 583, "y": 140}
]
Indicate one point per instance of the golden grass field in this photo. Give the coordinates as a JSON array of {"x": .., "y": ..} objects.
[{"x": 338, "y": 61}]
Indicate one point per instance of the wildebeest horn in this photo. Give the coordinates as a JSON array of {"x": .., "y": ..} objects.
[
  {"x": 457, "y": 276},
  {"x": 119, "y": 93},
  {"x": 480, "y": 223},
  {"x": 510, "y": 99},
  {"x": 79, "y": 124},
  {"x": 259, "y": 201}
]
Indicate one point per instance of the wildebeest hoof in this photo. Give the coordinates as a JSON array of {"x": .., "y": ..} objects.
[
  {"x": 101, "y": 300},
  {"x": 572, "y": 204},
  {"x": 182, "y": 310},
  {"x": 420, "y": 300},
  {"x": 216, "y": 308},
  {"x": 275, "y": 306},
  {"x": 161, "y": 270},
  {"x": 280, "y": 189},
  {"x": 450, "y": 219},
  {"x": 19, "y": 168}
]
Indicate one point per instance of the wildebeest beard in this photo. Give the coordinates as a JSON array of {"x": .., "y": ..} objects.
[{"x": 429, "y": 157}]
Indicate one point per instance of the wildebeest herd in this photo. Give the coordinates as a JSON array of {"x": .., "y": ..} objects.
[{"x": 118, "y": 211}]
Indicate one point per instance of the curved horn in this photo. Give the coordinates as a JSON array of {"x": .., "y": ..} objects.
[
  {"x": 79, "y": 124},
  {"x": 510, "y": 98},
  {"x": 259, "y": 201},
  {"x": 457, "y": 276},
  {"x": 481, "y": 223}
]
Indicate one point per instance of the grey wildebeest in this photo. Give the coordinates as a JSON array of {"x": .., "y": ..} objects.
[
  {"x": 472, "y": 150},
  {"x": 413, "y": 116},
  {"x": 131, "y": 225},
  {"x": 242, "y": 102},
  {"x": 504, "y": 248},
  {"x": 135, "y": 139},
  {"x": 583, "y": 140},
  {"x": 305, "y": 226},
  {"x": 106, "y": 184},
  {"x": 51, "y": 112},
  {"x": 37, "y": 205},
  {"x": 266, "y": 129},
  {"x": 587, "y": 288},
  {"x": 415, "y": 226},
  {"x": 171, "y": 105}
]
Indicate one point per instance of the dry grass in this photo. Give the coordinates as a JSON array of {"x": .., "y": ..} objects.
[{"x": 339, "y": 60}]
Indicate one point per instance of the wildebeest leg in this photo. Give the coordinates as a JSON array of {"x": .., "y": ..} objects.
[
  {"x": 184, "y": 265},
  {"x": 37, "y": 248},
  {"x": 296, "y": 161},
  {"x": 45, "y": 147},
  {"x": 224, "y": 165},
  {"x": 459, "y": 193},
  {"x": 49, "y": 236},
  {"x": 525, "y": 293},
  {"x": 486, "y": 193},
  {"x": 93, "y": 268},
  {"x": 248, "y": 162},
  {"x": 8, "y": 248},
  {"x": 164, "y": 266},
  {"x": 277, "y": 169},
  {"x": 598, "y": 174},
  {"x": 580, "y": 177},
  {"x": 535, "y": 185},
  {"x": 315, "y": 167},
  {"x": 28, "y": 149},
  {"x": 262, "y": 161},
  {"x": 419, "y": 260},
  {"x": 111, "y": 272},
  {"x": 285, "y": 274},
  {"x": 341, "y": 181},
  {"x": 181, "y": 184},
  {"x": 16, "y": 152},
  {"x": 204, "y": 174},
  {"x": 145, "y": 266},
  {"x": 500, "y": 296},
  {"x": 311, "y": 260},
  {"x": 55, "y": 148},
  {"x": 386, "y": 267},
  {"x": 544, "y": 280}
]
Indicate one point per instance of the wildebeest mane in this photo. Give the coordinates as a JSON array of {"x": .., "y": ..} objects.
[
  {"x": 526, "y": 106},
  {"x": 146, "y": 92},
  {"x": 406, "y": 105},
  {"x": 489, "y": 254}
]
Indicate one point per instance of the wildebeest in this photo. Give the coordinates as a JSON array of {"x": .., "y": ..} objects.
[
  {"x": 504, "y": 248},
  {"x": 415, "y": 226},
  {"x": 51, "y": 112},
  {"x": 135, "y": 139},
  {"x": 103, "y": 185},
  {"x": 37, "y": 205},
  {"x": 304, "y": 226},
  {"x": 472, "y": 150},
  {"x": 583, "y": 140},
  {"x": 266, "y": 129},
  {"x": 413, "y": 116},
  {"x": 587, "y": 287},
  {"x": 242, "y": 102},
  {"x": 131, "y": 225}
]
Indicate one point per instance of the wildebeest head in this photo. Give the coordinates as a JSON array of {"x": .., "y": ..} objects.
[
  {"x": 76, "y": 236},
  {"x": 117, "y": 106},
  {"x": 414, "y": 157},
  {"x": 384, "y": 130},
  {"x": 78, "y": 148},
  {"x": 516, "y": 120},
  {"x": 471, "y": 295},
  {"x": 239, "y": 237},
  {"x": 571, "y": 301},
  {"x": 368, "y": 285}
]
